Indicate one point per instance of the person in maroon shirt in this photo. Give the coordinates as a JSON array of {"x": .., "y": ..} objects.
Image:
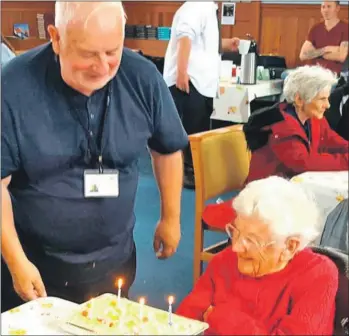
[
  {"x": 268, "y": 282},
  {"x": 327, "y": 42}
]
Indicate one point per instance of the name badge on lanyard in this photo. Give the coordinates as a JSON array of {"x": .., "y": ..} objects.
[{"x": 101, "y": 184}]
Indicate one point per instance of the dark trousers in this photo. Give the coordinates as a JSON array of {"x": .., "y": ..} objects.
[
  {"x": 337, "y": 121},
  {"x": 85, "y": 280},
  {"x": 194, "y": 110}
]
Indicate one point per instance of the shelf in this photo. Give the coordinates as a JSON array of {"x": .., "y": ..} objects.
[
  {"x": 148, "y": 47},
  {"x": 21, "y": 46}
]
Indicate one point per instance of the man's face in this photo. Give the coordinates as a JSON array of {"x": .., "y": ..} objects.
[
  {"x": 329, "y": 10},
  {"x": 90, "y": 55}
]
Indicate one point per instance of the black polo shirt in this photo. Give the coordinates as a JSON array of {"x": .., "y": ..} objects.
[{"x": 45, "y": 147}]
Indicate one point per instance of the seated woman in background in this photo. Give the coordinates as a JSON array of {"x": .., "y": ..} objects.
[
  {"x": 294, "y": 137},
  {"x": 269, "y": 282},
  {"x": 291, "y": 137}
]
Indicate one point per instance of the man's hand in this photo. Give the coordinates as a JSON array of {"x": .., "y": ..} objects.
[
  {"x": 182, "y": 82},
  {"x": 234, "y": 44},
  {"x": 166, "y": 238},
  {"x": 330, "y": 49},
  {"x": 230, "y": 44},
  {"x": 27, "y": 281},
  {"x": 207, "y": 313}
]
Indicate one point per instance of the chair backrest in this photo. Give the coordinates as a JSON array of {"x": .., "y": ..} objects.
[
  {"x": 221, "y": 161},
  {"x": 341, "y": 323},
  {"x": 335, "y": 232}
]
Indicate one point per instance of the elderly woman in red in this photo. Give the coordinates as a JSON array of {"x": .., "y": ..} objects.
[
  {"x": 292, "y": 137},
  {"x": 269, "y": 282}
]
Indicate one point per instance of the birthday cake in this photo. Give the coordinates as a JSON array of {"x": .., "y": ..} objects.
[{"x": 108, "y": 315}]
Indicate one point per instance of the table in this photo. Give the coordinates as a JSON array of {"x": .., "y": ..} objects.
[
  {"x": 233, "y": 103},
  {"x": 328, "y": 188},
  {"x": 43, "y": 316}
]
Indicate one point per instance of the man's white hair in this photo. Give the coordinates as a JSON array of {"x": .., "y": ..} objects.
[
  {"x": 67, "y": 12},
  {"x": 284, "y": 205},
  {"x": 307, "y": 81}
]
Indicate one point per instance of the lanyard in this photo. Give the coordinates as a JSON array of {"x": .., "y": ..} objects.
[{"x": 95, "y": 149}]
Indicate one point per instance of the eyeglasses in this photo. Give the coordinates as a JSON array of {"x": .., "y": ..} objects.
[{"x": 248, "y": 242}]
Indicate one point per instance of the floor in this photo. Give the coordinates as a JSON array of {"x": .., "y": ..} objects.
[{"x": 157, "y": 279}]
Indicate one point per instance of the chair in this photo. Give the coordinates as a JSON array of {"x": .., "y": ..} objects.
[
  {"x": 335, "y": 232},
  {"x": 221, "y": 164},
  {"x": 341, "y": 323}
]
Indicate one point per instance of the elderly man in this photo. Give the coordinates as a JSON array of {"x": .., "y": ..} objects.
[
  {"x": 327, "y": 42},
  {"x": 76, "y": 115},
  {"x": 268, "y": 282},
  {"x": 191, "y": 68}
]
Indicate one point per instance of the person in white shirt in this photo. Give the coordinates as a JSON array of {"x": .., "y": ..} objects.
[{"x": 191, "y": 68}]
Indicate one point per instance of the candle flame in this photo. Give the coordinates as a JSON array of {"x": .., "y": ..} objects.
[
  {"x": 142, "y": 301},
  {"x": 120, "y": 283},
  {"x": 170, "y": 299}
]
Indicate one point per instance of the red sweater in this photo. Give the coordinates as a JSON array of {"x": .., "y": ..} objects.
[{"x": 299, "y": 300}]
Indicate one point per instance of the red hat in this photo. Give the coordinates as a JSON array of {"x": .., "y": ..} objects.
[{"x": 219, "y": 215}]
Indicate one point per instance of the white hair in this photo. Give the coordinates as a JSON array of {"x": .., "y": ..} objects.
[
  {"x": 307, "y": 81},
  {"x": 67, "y": 12},
  {"x": 284, "y": 205}
]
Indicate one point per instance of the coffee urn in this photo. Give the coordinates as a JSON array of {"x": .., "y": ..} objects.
[{"x": 249, "y": 64}]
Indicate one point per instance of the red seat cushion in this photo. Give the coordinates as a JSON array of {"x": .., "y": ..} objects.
[{"x": 219, "y": 215}]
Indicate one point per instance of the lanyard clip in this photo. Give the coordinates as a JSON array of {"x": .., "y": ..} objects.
[{"x": 100, "y": 164}]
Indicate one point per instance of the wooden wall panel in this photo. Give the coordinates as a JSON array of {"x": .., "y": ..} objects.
[
  {"x": 284, "y": 28},
  {"x": 161, "y": 13},
  {"x": 23, "y": 12},
  {"x": 279, "y": 28},
  {"x": 247, "y": 21},
  {"x": 155, "y": 13}
]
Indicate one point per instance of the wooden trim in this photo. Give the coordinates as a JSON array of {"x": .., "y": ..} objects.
[
  {"x": 206, "y": 257},
  {"x": 198, "y": 137},
  {"x": 7, "y": 43},
  {"x": 155, "y": 48}
]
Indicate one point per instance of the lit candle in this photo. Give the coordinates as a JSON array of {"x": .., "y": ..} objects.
[
  {"x": 119, "y": 288},
  {"x": 170, "y": 302},
  {"x": 92, "y": 308},
  {"x": 141, "y": 302}
]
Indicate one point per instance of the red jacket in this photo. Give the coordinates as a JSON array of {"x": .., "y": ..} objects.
[
  {"x": 288, "y": 152},
  {"x": 299, "y": 300}
]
